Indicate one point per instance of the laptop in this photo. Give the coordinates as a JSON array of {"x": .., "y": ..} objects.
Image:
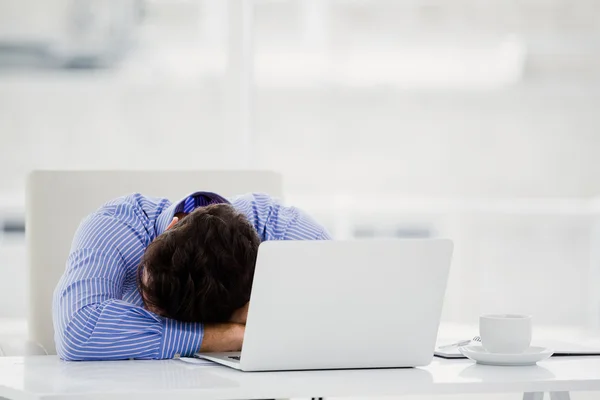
[{"x": 343, "y": 304}]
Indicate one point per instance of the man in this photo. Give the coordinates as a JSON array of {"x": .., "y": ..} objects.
[{"x": 148, "y": 279}]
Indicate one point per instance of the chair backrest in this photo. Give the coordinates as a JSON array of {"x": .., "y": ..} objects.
[{"x": 57, "y": 201}]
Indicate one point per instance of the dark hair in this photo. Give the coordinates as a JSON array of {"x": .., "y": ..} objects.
[{"x": 200, "y": 270}]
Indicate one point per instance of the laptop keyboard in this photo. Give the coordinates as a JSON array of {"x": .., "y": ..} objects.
[{"x": 234, "y": 357}]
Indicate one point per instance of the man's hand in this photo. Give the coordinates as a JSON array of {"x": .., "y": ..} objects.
[
  {"x": 240, "y": 315},
  {"x": 222, "y": 337}
]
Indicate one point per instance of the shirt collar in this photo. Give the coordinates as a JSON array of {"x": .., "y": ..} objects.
[{"x": 201, "y": 198}]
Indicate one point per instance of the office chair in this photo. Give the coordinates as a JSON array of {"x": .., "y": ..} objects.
[{"x": 57, "y": 201}]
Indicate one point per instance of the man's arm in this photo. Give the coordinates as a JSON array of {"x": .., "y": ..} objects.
[
  {"x": 273, "y": 221},
  {"x": 93, "y": 322},
  {"x": 223, "y": 337}
]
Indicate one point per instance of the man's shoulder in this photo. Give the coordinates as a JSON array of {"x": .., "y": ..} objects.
[
  {"x": 132, "y": 204},
  {"x": 134, "y": 210},
  {"x": 126, "y": 217},
  {"x": 256, "y": 198}
]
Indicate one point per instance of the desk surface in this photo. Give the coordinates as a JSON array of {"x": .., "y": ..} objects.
[{"x": 47, "y": 377}]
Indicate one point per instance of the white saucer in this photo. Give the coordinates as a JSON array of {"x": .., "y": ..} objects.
[{"x": 529, "y": 357}]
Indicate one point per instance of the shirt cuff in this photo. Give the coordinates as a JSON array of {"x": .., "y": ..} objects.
[{"x": 180, "y": 338}]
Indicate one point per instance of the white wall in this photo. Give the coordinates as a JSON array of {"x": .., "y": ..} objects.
[
  {"x": 512, "y": 144},
  {"x": 535, "y": 135},
  {"x": 13, "y": 278}
]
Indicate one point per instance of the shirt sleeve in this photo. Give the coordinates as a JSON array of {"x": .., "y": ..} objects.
[
  {"x": 91, "y": 319},
  {"x": 274, "y": 221}
]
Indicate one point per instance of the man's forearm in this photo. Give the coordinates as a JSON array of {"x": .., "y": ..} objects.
[
  {"x": 222, "y": 337},
  {"x": 82, "y": 335}
]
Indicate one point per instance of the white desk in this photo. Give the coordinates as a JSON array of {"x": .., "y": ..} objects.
[{"x": 46, "y": 377}]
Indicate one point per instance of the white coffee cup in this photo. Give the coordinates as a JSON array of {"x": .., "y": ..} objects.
[{"x": 505, "y": 333}]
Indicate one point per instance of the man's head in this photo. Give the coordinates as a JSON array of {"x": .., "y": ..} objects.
[{"x": 201, "y": 269}]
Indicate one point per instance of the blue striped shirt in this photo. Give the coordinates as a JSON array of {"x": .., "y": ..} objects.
[{"x": 97, "y": 309}]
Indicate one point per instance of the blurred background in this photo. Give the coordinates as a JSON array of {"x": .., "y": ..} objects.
[{"x": 477, "y": 120}]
